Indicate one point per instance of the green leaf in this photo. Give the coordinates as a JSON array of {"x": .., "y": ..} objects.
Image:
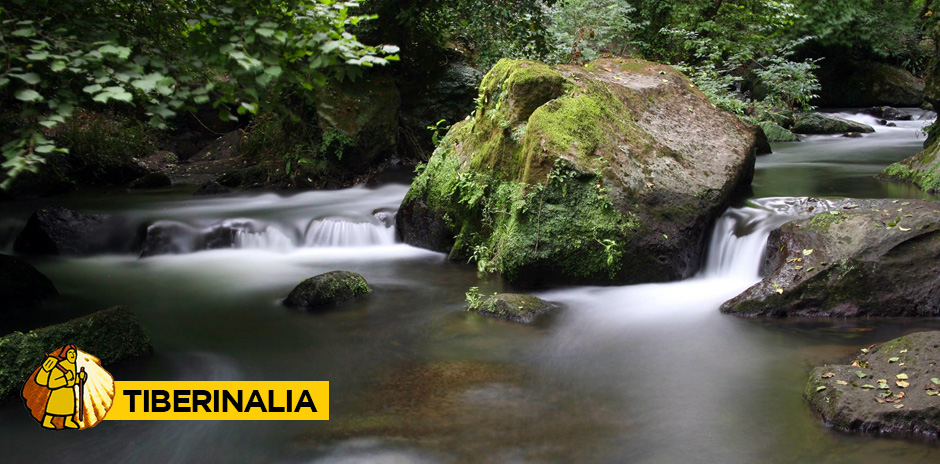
[
  {"x": 807, "y": 252},
  {"x": 861, "y": 374},
  {"x": 92, "y": 89},
  {"x": 274, "y": 71},
  {"x": 38, "y": 56},
  {"x": 868, "y": 386},
  {"x": 894, "y": 359},
  {"x": 25, "y": 32},
  {"x": 29, "y": 78},
  {"x": 820, "y": 388},
  {"x": 27, "y": 95},
  {"x": 935, "y": 380},
  {"x": 45, "y": 149},
  {"x": 57, "y": 66},
  {"x": 264, "y": 32},
  {"x": 901, "y": 376}
]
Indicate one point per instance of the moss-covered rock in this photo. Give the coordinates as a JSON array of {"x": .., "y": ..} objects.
[
  {"x": 112, "y": 335},
  {"x": 514, "y": 307},
  {"x": 850, "y": 258},
  {"x": 21, "y": 285},
  {"x": 818, "y": 123},
  {"x": 327, "y": 289},
  {"x": 922, "y": 170},
  {"x": 889, "y": 389},
  {"x": 578, "y": 174},
  {"x": 776, "y": 132}
]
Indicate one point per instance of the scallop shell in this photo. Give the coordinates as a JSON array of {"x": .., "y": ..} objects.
[{"x": 98, "y": 391}]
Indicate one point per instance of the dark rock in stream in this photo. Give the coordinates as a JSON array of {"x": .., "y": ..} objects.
[
  {"x": 112, "y": 335},
  {"x": 514, "y": 307},
  {"x": 819, "y": 123},
  {"x": 887, "y": 113},
  {"x": 212, "y": 188},
  {"x": 21, "y": 285},
  {"x": 60, "y": 231},
  {"x": 153, "y": 180},
  {"x": 892, "y": 389},
  {"x": 169, "y": 237},
  {"x": 854, "y": 258},
  {"x": 327, "y": 290}
]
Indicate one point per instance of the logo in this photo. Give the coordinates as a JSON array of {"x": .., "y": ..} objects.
[{"x": 70, "y": 390}]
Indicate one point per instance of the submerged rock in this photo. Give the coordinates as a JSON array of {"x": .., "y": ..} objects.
[
  {"x": 153, "y": 180},
  {"x": 112, "y": 335},
  {"x": 327, "y": 290},
  {"x": 891, "y": 389},
  {"x": 21, "y": 285},
  {"x": 819, "y": 123},
  {"x": 513, "y": 307},
  {"x": 922, "y": 170},
  {"x": 854, "y": 258},
  {"x": 777, "y": 133},
  {"x": 579, "y": 174},
  {"x": 60, "y": 231}
]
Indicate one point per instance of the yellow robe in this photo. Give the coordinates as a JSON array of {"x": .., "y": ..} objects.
[{"x": 62, "y": 399}]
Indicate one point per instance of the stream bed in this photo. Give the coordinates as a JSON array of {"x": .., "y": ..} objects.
[{"x": 645, "y": 373}]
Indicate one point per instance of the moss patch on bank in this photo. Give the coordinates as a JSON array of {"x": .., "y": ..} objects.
[{"x": 922, "y": 170}]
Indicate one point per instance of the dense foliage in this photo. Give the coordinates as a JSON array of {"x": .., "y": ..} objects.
[{"x": 164, "y": 57}]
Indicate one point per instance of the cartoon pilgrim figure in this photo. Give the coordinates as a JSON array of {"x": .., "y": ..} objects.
[{"x": 70, "y": 390}]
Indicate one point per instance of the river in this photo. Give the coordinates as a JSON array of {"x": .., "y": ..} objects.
[{"x": 644, "y": 373}]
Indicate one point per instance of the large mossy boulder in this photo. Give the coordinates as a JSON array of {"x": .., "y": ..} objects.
[
  {"x": 21, "y": 285},
  {"x": 819, "y": 123},
  {"x": 851, "y": 258},
  {"x": 112, "y": 335},
  {"x": 61, "y": 231},
  {"x": 922, "y": 170},
  {"x": 611, "y": 172},
  {"x": 892, "y": 389},
  {"x": 869, "y": 84},
  {"x": 515, "y": 307},
  {"x": 327, "y": 290}
]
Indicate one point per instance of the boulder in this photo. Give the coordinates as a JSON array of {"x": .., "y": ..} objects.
[
  {"x": 777, "y": 133},
  {"x": 869, "y": 84},
  {"x": 851, "y": 258},
  {"x": 60, "y": 231},
  {"x": 890, "y": 389},
  {"x": 21, "y": 285},
  {"x": 920, "y": 170},
  {"x": 112, "y": 335},
  {"x": 579, "y": 174},
  {"x": 887, "y": 113},
  {"x": 170, "y": 237},
  {"x": 514, "y": 307},
  {"x": 154, "y": 180},
  {"x": 327, "y": 290},
  {"x": 819, "y": 123}
]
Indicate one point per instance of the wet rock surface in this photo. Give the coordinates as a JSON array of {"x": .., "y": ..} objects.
[
  {"x": 852, "y": 258},
  {"x": 888, "y": 389},
  {"x": 326, "y": 290},
  {"x": 515, "y": 307},
  {"x": 824, "y": 124}
]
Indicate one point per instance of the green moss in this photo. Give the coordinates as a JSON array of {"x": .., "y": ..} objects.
[
  {"x": 922, "y": 170},
  {"x": 823, "y": 221},
  {"x": 327, "y": 289},
  {"x": 776, "y": 133},
  {"x": 112, "y": 335}
]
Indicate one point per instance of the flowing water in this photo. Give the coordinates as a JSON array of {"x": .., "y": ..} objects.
[{"x": 644, "y": 373}]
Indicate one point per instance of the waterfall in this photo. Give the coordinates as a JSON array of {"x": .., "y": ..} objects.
[
  {"x": 739, "y": 237},
  {"x": 337, "y": 232}
]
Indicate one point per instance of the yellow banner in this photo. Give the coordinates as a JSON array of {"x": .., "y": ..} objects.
[{"x": 228, "y": 400}]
